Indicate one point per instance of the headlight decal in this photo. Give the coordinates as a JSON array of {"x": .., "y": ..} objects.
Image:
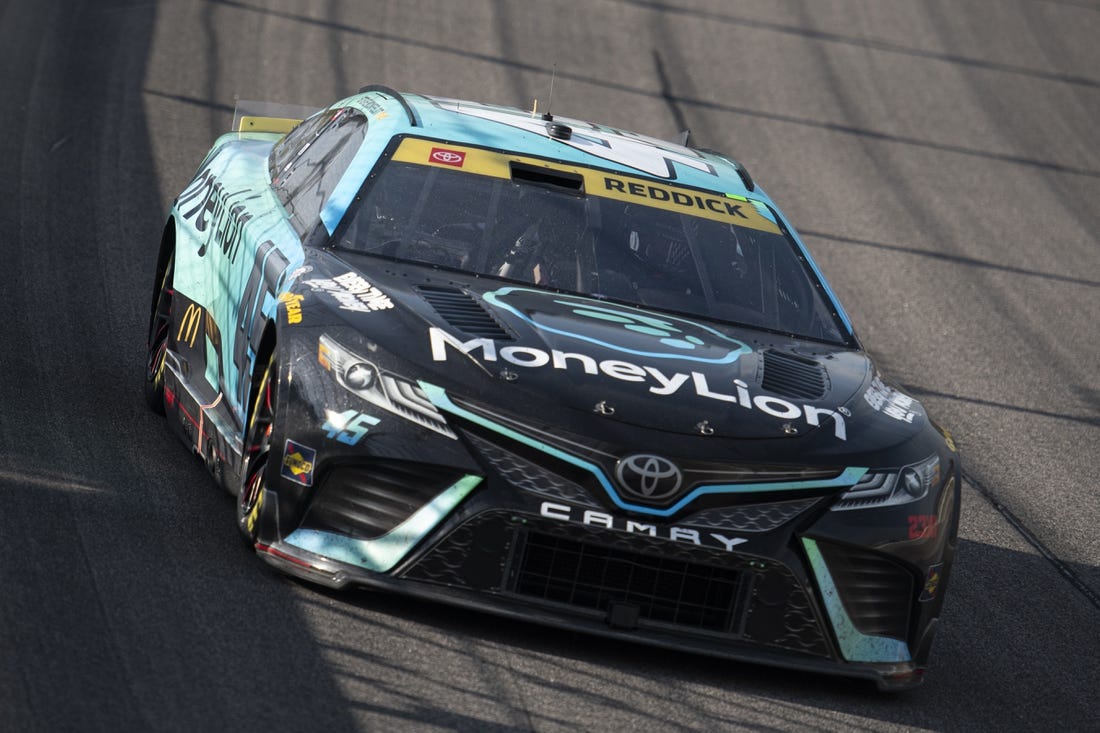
[
  {"x": 892, "y": 487},
  {"x": 855, "y": 646},
  {"x": 439, "y": 398},
  {"x": 390, "y": 392},
  {"x": 383, "y": 553}
]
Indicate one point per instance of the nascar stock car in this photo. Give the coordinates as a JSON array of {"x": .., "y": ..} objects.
[{"x": 551, "y": 370}]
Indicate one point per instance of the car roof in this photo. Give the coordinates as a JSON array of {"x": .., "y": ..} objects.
[
  {"x": 557, "y": 138},
  {"x": 588, "y": 144}
]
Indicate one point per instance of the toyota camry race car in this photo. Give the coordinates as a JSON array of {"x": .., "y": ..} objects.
[{"x": 551, "y": 370}]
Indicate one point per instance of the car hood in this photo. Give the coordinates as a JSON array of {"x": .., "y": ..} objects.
[{"x": 554, "y": 356}]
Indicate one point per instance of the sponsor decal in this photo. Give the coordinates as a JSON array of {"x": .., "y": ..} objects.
[
  {"x": 649, "y": 477},
  {"x": 657, "y": 381},
  {"x": 298, "y": 463},
  {"x": 371, "y": 106},
  {"x": 293, "y": 303},
  {"x": 349, "y": 426},
  {"x": 890, "y": 402},
  {"x": 443, "y": 156},
  {"x": 352, "y": 292},
  {"x": 720, "y": 207},
  {"x": 269, "y": 265},
  {"x": 922, "y": 526},
  {"x": 664, "y": 194},
  {"x": 189, "y": 325},
  {"x": 592, "y": 518},
  {"x": 639, "y": 333},
  {"x": 931, "y": 583},
  {"x": 219, "y": 214}
]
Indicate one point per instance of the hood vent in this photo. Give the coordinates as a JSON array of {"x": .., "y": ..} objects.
[
  {"x": 793, "y": 376},
  {"x": 463, "y": 312}
]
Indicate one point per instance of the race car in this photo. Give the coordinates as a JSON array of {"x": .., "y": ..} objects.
[{"x": 552, "y": 370}]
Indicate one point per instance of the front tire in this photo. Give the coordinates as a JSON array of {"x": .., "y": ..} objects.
[
  {"x": 257, "y": 446},
  {"x": 160, "y": 326}
]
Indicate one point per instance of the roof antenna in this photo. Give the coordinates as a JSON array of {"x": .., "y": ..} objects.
[{"x": 549, "y": 103}]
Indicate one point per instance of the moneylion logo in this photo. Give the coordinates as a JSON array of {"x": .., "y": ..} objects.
[{"x": 649, "y": 477}]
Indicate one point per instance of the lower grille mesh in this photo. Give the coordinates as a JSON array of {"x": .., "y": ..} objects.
[
  {"x": 592, "y": 576},
  {"x": 671, "y": 585}
]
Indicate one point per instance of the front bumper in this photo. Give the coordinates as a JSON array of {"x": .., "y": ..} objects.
[
  {"x": 516, "y": 529},
  {"x": 633, "y": 588}
]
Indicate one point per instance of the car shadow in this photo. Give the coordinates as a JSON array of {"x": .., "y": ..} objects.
[{"x": 1005, "y": 610}]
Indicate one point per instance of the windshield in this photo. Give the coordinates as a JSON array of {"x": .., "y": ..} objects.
[{"x": 589, "y": 232}]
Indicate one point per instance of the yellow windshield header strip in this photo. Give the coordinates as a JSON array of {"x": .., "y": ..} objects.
[{"x": 630, "y": 189}]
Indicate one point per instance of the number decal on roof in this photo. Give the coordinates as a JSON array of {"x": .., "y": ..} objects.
[{"x": 646, "y": 154}]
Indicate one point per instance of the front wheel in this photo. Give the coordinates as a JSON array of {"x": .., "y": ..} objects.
[
  {"x": 257, "y": 446},
  {"x": 160, "y": 324}
]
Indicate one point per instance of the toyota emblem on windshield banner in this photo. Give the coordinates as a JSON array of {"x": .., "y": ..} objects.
[
  {"x": 649, "y": 477},
  {"x": 448, "y": 157}
]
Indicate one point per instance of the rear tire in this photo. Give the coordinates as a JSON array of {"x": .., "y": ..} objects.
[
  {"x": 160, "y": 325},
  {"x": 257, "y": 447}
]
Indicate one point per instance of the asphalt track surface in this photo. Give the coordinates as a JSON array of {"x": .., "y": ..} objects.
[{"x": 941, "y": 158}]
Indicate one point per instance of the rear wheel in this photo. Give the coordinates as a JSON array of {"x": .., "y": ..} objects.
[
  {"x": 257, "y": 446},
  {"x": 160, "y": 324}
]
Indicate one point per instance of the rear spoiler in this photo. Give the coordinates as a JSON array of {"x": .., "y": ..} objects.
[{"x": 251, "y": 116}]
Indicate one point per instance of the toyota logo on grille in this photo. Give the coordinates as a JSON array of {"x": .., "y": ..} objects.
[{"x": 649, "y": 477}]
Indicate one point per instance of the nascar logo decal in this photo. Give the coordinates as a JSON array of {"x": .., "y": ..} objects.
[
  {"x": 447, "y": 157},
  {"x": 298, "y": 463}
]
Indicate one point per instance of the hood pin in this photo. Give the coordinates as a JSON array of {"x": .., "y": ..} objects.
[
  {"x": 603, "y": 408},
  {"x": 704, "y": 428}
]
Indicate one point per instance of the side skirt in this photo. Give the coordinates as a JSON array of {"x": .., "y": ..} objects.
[{"x": 205, "y": 427}]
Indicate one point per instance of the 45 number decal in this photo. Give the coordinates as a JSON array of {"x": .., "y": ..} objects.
[{"x": 349, "y": 426}]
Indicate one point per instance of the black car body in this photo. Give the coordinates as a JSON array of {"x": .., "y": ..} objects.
[{"x": 551, "y": 370}]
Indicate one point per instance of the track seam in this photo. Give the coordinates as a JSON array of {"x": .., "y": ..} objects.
[{"x": 1063, "y": 568}]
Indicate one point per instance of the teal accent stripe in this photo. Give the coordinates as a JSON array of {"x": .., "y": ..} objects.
[
  {"x": 382, "y": 553},
  {"x": 854, "y": 644},
  {"x": 439, "y": 398},
  {"x": 833, "y": 300}
]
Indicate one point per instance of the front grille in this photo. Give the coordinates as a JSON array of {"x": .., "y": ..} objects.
[
  {"x": 542, "y": 470},
  {"x": 591, "y": 576},
  {"x": 749, "y": 517},
  {"x": 528, "y": 476},
  {"x": 367, "y": 500},
  {"x": 572, "y": 569},
  {"x": 876, "y": 592}
]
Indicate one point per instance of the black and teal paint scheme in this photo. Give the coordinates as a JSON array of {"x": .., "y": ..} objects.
[{"x": 552, "y": 370}]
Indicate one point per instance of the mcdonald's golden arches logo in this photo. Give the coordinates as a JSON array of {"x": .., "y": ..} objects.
[{"x": 189, "y": 326}]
